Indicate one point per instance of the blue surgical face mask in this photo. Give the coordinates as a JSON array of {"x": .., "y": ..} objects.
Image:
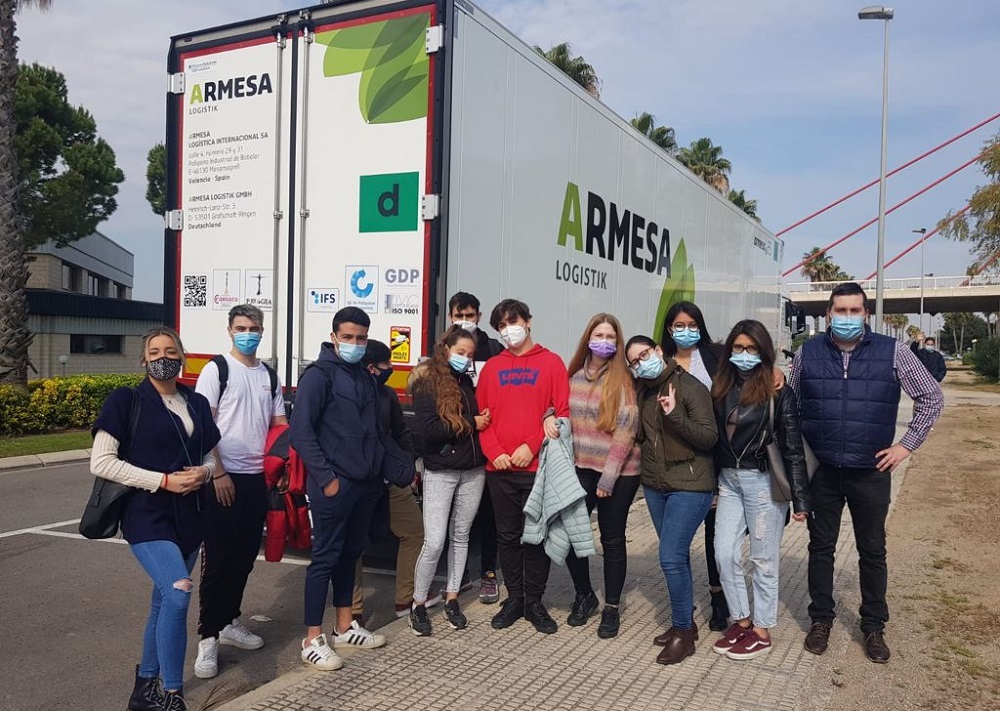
[
  {"x": 382, "y": 376},
  {"x": 649, "y": 369},
  {"x": 745, "y": 361},
  {"x": 459, "y": 363},
  {"x": 246, "y": 342},
  {"x": 847, "y": 328},
  {"x": 350, "y": 352},
  {"x": 686, "y": 338}
]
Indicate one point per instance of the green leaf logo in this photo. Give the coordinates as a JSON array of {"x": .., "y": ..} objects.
[
  {"x": 392, "y": 58},
  {"x": 679, "y": 286}
]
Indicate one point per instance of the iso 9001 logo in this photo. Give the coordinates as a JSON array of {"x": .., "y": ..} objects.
[{"x": 402, "y": 304}]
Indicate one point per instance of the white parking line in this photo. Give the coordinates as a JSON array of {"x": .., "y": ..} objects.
[{"x": 37, "y": 529}]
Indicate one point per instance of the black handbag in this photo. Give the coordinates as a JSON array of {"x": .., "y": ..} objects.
[
  {"x": 781, "y": 486},
  {"x": 103, "y": 513}
]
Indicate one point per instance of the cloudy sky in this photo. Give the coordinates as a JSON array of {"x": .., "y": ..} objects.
[{"x": 790, "y": 90}]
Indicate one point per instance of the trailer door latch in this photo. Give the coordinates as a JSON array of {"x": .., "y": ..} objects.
[
  {"x": 174, "y": 220},
  {"x": 430, "y": 206},
  {"x": 434, "y": 38},
  {"x": 175, "y": 83}
]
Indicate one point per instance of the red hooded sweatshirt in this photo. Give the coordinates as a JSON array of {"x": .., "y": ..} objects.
[{"x": 518, "y": 391}]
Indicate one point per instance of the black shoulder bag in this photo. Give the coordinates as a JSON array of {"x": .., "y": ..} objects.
[{"x": 103, "y": 513}]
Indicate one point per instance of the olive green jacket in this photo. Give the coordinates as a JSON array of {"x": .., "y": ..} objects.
[{"x": 677, "y": 449}]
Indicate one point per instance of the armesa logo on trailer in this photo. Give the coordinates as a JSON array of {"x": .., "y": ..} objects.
[
  {"x": 640, "y": 244},
  {"x": 234, "y": 88}
]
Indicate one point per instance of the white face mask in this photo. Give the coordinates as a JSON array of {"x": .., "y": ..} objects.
[
  {"x": 514, "y": 336},
  {"x": 469, "y": 326}
]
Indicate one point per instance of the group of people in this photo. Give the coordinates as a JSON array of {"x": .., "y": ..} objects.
[{"x": 712, "y": 432}]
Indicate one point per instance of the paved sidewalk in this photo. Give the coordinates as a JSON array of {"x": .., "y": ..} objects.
[
  {"x": 44, "y": 460},
  {"x": 519, "y": 668}
]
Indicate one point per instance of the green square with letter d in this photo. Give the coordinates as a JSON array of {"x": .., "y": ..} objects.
[{"x": 389, "y": 202}]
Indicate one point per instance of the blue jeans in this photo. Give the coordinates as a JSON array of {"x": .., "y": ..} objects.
[
  {"x": 676, "y": 516},
  {"x": 745, "y": 504},
  {"x": 165, "y": 639}
]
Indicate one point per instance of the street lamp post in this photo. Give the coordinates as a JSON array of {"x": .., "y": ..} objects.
[
  {"x": 923, "y": 236},
  {"x": 877, "y": 12}
]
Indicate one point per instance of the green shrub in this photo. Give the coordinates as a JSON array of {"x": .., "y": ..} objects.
[
  {"x": 57, "y": 403},
  {"x": 986, "y": 357}
]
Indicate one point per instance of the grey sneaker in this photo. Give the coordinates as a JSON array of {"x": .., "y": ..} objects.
[
  {"x": 489, "y": 588},
  {"x": 453, "y": 612}
]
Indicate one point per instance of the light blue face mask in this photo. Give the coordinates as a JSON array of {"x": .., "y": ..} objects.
[
  {"x": 459, "y": 363},
  {"x": 745, "y": 361},
  {"x": 246, "y": 342},
  {"x": 686, "y": 338},
  {"x": 350, "y": 352},
  {"x": 847, "y": 328},
  {"x": 649, "y": 369}
]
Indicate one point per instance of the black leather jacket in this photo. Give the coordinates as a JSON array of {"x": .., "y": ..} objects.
[{"x": 747, "y": 448}]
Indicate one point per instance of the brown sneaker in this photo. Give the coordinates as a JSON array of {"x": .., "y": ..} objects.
[
  {"x": 817, "y": 638},
  {"x": 876, "y": 649}
]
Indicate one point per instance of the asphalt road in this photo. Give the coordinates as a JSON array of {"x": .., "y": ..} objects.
[{"x": 74, "y": 610}]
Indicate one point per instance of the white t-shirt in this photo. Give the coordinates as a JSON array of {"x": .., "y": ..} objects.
[{"x": 245, "y": 413}]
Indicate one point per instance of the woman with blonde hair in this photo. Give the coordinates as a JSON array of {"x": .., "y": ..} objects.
[
  {"x": 159, "y": 438},
  {"x": 446, "y": 428},
  {"x": 604, "y": 418}
]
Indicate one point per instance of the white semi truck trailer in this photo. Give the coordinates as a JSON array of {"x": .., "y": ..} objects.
[{"x": 385, "y": 155}]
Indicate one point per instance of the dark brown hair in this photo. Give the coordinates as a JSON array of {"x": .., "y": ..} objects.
[
  {"x": 758, "y": 386},
  {"x": 436, "y": 378}
]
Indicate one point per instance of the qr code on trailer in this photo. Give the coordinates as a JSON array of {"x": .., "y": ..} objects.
[{"x": 195, "y": 290}]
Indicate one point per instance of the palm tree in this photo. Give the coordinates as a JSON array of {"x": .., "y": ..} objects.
[
  {"x": 663, "y": 136},
  {"x": 15, "y": 337},
  {"x": 705, "y": 160},
  {"x": 576, "y": 68},
  {"x": 746, "y": 204},
  {"x": 816, "y": 265}
]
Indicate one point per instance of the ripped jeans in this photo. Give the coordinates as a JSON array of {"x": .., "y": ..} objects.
[
  {"x": 745, "y": 505},
  {"x": 165, "y": 639}
]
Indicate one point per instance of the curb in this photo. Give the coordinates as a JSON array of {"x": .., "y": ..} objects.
[{"x": 48, "y": 459}]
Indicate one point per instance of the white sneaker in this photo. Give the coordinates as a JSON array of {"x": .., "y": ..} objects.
[
  {"x": 206, "y": 665},
  {"x": 357, "y": 636},
  {"x": 319, "y": 655},
  {"x": 238, "y": 635}
]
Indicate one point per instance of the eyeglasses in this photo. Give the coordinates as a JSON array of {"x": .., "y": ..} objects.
[
  {"x": 678, "y": 327},
  {"x": 752, "y": 350},
  {"x": 642, "y": 356}
]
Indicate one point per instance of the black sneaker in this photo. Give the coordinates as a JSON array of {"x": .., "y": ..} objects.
[
  {"x": 419, "y": 623},
  {"x": 511, "y": 610},
  {"x": 536, "y": 614},
  {"x": 453, "y": 612},
  {"x": 610, "y": 622},
  {"x": 174, "y": 701},
  {"x": 582, "y": 608}
]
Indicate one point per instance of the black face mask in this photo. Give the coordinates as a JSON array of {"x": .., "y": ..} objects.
[
  {"x": 164, "y": 368},
  {"x": 382, "y": 376}
]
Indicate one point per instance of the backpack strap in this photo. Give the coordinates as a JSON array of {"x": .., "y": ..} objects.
[
  {"x": 223, "y": 365},
  {"x": 273, "y": 376}
]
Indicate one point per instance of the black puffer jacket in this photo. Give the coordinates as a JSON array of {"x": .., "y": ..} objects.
[
  {"x": 747, "y": 448},
  {"x": 435, "y": 440}
]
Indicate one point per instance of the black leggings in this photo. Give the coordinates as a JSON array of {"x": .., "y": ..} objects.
[{"x": 612, "y": 515}]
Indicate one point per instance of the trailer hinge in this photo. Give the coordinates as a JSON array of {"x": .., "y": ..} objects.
[
  {"x": 430, "y": 207},
  {"x": 174, "y": 220},
  {"x": 175, "y": 84},
  {"x": 434, "y": 38},
  {"x": 278, "y": 215}
]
